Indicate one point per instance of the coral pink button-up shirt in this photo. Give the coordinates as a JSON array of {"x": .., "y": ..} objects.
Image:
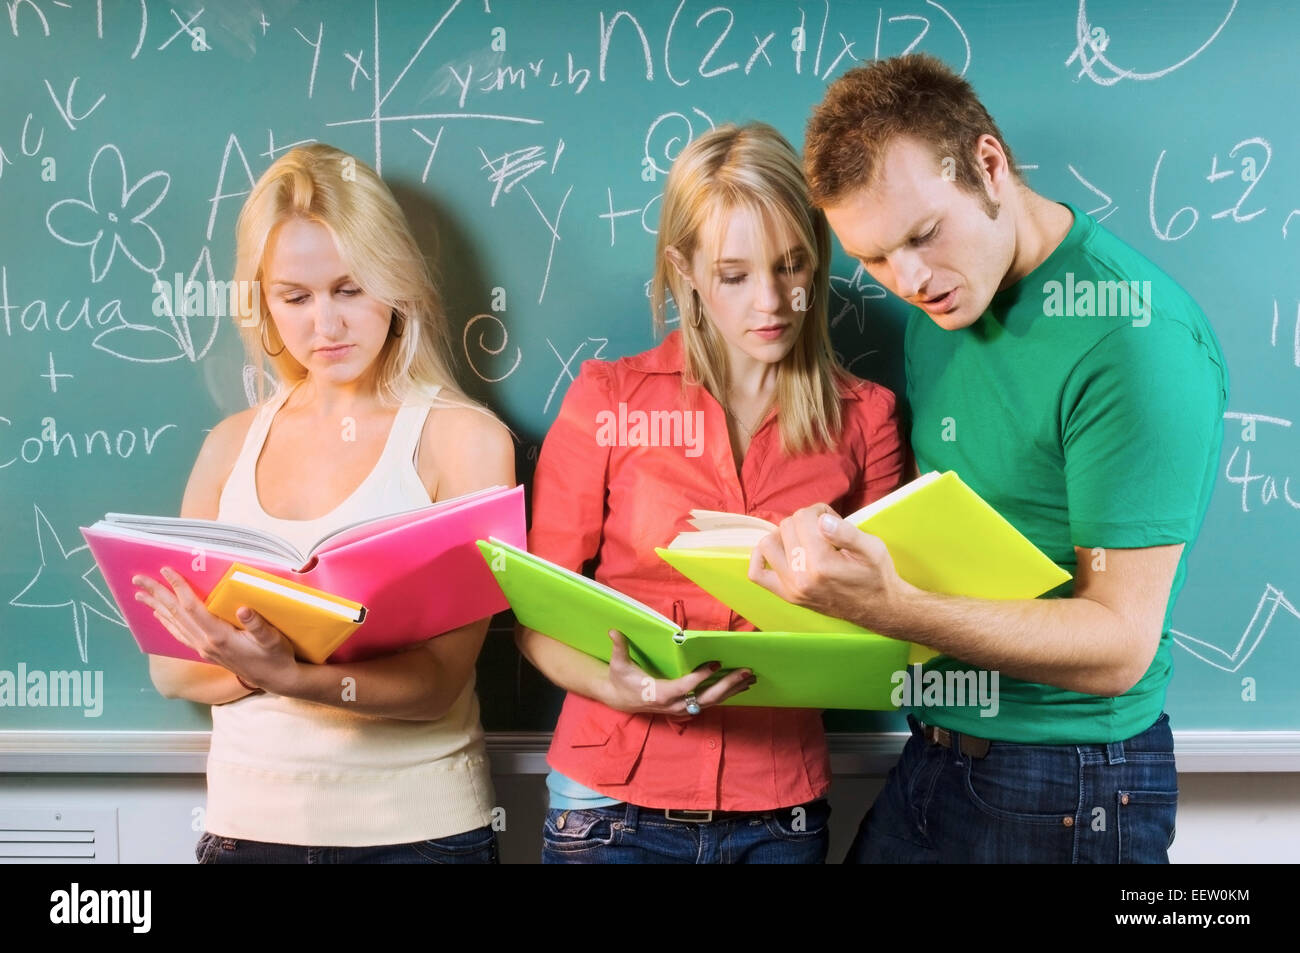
[{"x": 601, "y": 496}]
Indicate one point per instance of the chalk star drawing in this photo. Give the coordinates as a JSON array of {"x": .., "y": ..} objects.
[
  {"x": 1269, "y": 603},
  {"x": 853, "y": 293},
  {"x": 46, "y": 588}
]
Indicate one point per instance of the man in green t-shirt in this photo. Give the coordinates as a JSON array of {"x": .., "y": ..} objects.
[{"x": 1080, "y": 391}]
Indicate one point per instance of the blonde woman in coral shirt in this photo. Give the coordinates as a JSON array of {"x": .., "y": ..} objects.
[{"x": 654, "y": 771}]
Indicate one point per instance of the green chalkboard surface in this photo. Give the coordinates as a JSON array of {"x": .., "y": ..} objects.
[{"x": 527, "y": 143}]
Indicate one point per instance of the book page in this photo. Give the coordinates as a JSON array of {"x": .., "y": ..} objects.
[
  {"x": 739, "y": 538},
  {"x": 718, "y": 530},
  {"x": 229, "y": 537},
  {"x": 889, "y": 499},
  {"x": 378, "y": 524},
  {"x": 705, "y": 520},
  {"x": 297, "y": 595}
]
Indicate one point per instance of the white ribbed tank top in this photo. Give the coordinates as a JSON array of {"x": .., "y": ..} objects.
[{"x": 290, "y": 771}]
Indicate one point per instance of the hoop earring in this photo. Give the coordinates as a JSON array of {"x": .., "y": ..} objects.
[
  {"x": 261, "y": 335},
  {"x": 697, "y": 310}
]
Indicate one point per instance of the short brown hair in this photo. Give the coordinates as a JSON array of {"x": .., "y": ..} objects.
[{"x": 868, "y": 107}]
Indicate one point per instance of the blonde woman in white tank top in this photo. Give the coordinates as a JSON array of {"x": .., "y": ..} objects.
[{"x": 374, "y": 761}]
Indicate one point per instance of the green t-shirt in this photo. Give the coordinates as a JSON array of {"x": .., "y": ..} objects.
[{"x": 1086, "y": 406}]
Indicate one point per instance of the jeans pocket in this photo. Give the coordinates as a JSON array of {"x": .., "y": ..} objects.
[
  {"x": 576, "y": 830},
  {"x": 1145, "y": 822},
  {"x": 801, "y": 822},
  {"x": 460, "y": 848},
  {"x": 1025, "y": 783},
  {"x": 919, "y": 769}
]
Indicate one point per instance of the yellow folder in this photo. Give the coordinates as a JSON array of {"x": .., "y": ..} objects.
[
  {"x": 941, "y": 535},
  {"x": 315, "y": 622}
]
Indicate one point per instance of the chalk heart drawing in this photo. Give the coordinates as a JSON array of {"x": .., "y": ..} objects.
[
  {"x": 113, "y": 218},
  {"x": 48, "y": 588}
]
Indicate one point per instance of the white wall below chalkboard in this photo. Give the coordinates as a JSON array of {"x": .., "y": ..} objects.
[{"x": 1222, "y": 818}]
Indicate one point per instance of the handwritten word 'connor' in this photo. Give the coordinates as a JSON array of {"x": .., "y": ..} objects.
[{"x": 32, "y": 449}]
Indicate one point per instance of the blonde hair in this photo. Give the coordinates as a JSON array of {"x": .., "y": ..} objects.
[
  {"x": 750, "y": 168},
  {"x": 319, "y": 183}
]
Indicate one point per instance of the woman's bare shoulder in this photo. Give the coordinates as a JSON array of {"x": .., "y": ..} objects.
[
  {"x": 464, "y": 448},
  {"x": 215, "y": 461},
  {"x": 235, "y": 427}
]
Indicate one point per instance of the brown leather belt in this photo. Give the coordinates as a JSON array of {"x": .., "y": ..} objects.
[
  {"x": 704, "y": 817},
  {"x": 969, "y": 745}
]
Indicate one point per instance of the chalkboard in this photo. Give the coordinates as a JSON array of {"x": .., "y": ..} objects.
[{"x": 527, "y": 143}]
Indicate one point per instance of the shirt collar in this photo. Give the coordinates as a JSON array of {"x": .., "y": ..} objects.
[{"x": 667, "y": 358}]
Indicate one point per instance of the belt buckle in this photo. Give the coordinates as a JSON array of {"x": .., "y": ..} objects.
[
  {"x": 938, "y": 736},
  {"x": 970, "y": 746},
  {"x": 696, "y": 817}
]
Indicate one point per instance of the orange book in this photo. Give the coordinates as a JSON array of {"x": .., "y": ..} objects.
[{"x": 315, "y": 622}]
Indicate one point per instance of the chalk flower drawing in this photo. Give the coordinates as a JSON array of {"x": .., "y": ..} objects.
[{"x": 114, "y": 217}]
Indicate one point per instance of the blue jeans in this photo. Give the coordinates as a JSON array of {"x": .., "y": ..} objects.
[
  {"x": 478, "y": 846},
  {"x": 1080, "y": 804},
  {"x": 627, "y": 834}
]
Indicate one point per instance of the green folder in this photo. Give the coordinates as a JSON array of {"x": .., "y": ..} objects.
[{"x": 794, "y": 669}]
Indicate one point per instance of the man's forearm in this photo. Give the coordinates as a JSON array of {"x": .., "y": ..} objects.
[{"x": 1076, "y": 643}]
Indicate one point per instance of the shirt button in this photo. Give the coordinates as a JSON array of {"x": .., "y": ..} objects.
[{"x": 712, "y": 743}]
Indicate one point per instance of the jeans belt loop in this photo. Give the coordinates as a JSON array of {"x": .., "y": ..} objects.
[{"x": 1115, "y": 753}]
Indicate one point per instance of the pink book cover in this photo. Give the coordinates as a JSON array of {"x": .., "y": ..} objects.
[{"x": 418, "y": 573}]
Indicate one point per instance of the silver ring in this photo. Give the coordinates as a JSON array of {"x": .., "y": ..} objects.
[{"x": 692, "y": 706}]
